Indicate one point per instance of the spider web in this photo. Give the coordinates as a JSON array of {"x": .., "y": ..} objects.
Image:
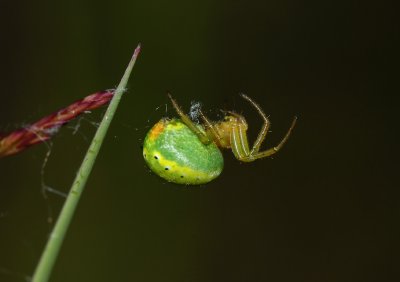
[
  {"x": 50, "y": 192},
  {"x": 52, "y": 200}
]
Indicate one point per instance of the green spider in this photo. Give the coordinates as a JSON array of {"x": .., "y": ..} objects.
[{"x": 184, "y": 152}]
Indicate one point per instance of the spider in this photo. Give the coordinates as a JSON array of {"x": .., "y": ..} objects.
[{"x": 184, "y": 152}]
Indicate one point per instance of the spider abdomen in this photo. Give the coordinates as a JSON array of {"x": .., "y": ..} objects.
[{"x": 175, "y": 153}]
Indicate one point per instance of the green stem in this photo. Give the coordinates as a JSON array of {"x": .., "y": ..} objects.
[{"x": 50, "y": 253}]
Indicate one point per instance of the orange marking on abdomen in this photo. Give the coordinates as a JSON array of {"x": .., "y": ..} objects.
[{"x": 156, "y": 130}]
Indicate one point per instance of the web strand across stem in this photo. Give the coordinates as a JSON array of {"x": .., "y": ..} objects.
[{"x": 42, "y": 130}]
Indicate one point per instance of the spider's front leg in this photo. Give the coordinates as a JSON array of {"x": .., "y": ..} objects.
[
  {"x": 240, "y": 148},
  {"x": 239, "y": 140}
]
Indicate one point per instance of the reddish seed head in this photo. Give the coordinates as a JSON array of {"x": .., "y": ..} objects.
[{"x": 46, "y": 127}]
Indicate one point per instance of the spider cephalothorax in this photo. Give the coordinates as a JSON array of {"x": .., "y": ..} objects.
[{"x": 185, "y": 152}]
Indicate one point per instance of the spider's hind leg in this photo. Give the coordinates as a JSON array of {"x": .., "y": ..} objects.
[
  {"x": 189, "y": 123},
  {"x": 211, "y": 129}
]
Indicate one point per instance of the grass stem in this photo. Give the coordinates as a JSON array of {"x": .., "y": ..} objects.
[{"x": 52, "y": 249}]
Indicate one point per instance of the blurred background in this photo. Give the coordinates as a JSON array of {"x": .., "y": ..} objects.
[{"x": 325, "y": 208}]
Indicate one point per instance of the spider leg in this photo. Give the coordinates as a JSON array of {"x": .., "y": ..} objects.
[
  {"x": 186, "y": 120},
  {"x": 264, "y": 129},
  {"x": 234, "y": 114},
  {"x": 214, "y": 132},
  {"x": 239, "y": 143},
  {"x": 269, "y": 152}
]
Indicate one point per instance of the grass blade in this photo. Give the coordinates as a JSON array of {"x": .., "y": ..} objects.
[{"x": 50, "y": 253}]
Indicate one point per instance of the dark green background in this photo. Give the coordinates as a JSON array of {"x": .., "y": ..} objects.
[{"x": 326, "y": 208}]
